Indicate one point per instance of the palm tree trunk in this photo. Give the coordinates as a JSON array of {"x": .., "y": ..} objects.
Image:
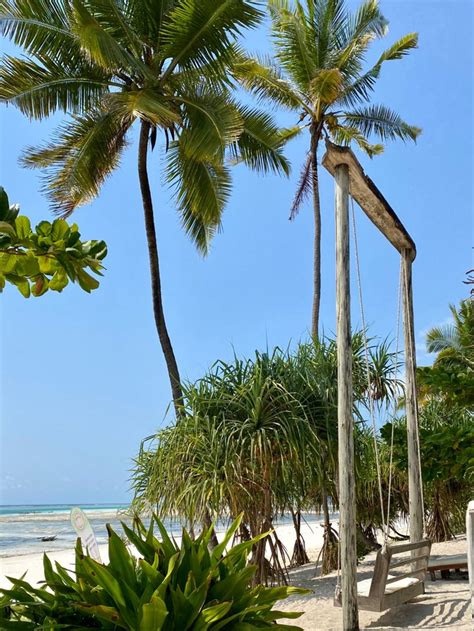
[
  {"x": 160, "y": 322},
  {"x": 315, "y": 131}
]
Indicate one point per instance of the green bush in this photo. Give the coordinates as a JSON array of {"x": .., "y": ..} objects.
[{"x": 168, "y": 588}]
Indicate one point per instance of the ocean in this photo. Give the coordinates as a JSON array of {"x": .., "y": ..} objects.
[{"x": 23, "y": 527}]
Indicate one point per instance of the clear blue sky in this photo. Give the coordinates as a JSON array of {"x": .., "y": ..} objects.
[{"x": 83, "y": 379}]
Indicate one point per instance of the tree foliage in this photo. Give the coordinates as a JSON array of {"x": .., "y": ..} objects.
[
  {"x": 46, "y": 257},
  {"x": 447, "y": 462},
  {"x": 452, "y": 375},
  {"x": 165, "y": 65}
]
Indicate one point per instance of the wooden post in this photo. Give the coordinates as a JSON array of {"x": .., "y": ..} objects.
[
  {"x": 347, "y": 501},
  {"x": 414, "y": 475}
]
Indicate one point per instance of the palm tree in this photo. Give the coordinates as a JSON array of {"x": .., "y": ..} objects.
[
  {"x": 320, "y": 47},
  {"x": 160, "y": 63},
  {"x": 454, "y": 342}
]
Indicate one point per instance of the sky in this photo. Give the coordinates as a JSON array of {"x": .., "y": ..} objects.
[{"x": 83, "y": 380}]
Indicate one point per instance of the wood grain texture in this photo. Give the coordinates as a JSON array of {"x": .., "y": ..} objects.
[
  {"x": 369, "y": 198},
  {"x": 414, "y": 465},
  {"x": 347, "y": 500}
]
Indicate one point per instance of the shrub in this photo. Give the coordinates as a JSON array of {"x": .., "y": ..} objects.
[{"x": 168, "y": 588}]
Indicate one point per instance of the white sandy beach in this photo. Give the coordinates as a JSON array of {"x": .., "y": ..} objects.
[{"x": 445, "y": 605}]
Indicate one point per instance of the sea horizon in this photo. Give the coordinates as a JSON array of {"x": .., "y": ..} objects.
[{"x": 60, "y": 507}]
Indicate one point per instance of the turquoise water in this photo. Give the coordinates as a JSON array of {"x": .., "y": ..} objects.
[
  {"x": 34, "y": 509},
  {"x": 23, "y": 527}
]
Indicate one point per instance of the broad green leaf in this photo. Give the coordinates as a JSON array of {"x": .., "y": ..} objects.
[
  {"x": 23, "y": 227},
  {"x": 214, "y": 613},
  {"x": 59, "y": 229},
  {"x": 104, "y": 578},
  {"x": 154, "y": 615},
  {"x": 59, "y": 281},
  {"x": 7, "y": 262},
  {"x": 120, "y": 560}
]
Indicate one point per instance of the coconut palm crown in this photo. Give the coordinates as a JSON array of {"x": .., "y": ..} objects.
[
  {"x": 161, "y": 63},
  {"x": 320, "y": 50}
]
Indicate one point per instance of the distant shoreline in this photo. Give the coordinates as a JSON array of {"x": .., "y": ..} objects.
[{"x": 16, "y": 510}]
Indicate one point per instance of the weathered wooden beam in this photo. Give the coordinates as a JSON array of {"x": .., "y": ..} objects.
[
  {"x": 369, "y": 198},
  {"x": 411, "y": 405},
  {"x": 347, "y": 499}
]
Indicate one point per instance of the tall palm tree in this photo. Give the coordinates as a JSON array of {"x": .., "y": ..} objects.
[
  {"x": 160, "y": 63},
  {"x": 320, "y": 48}
]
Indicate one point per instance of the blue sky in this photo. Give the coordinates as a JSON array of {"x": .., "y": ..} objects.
[{"x": 82, "y": 376}]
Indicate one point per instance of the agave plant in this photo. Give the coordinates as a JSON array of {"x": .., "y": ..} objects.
[{"x": 165, "y": 588}]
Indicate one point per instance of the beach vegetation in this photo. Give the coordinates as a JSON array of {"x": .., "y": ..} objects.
[
  {"x": 260, "y": 438},
  {"x": 47, "y": 257},
  {"x": 447, "y": 466},
  {"x": 160, "y": 586}
]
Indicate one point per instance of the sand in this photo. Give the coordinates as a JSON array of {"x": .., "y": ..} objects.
[{"x": 445, "y": 605}]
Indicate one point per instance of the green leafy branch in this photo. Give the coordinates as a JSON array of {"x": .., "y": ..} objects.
[{"x": 46, "y": 257}]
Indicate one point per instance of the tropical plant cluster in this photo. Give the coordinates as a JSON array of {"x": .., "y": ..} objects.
[
  {"x": 46, "y": 257},
  {"x": 259, "y": 437},
  {"x": 446, "y": 427},
  {"x": 161, "y": 586}
]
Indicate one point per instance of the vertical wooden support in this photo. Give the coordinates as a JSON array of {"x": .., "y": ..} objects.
[
  {"x": 347, "y": 501},
  {"x": 414, "y": 471}
]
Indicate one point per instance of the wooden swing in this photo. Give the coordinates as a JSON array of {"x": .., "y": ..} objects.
[
  {"x": 391, "y": 586},
  {"x": 395, "y": 580}
]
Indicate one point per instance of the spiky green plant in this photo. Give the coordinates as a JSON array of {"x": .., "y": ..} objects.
[
  {"x": 168, "y": 587},
  {"x": 162, "y": 64},
  {"x": 320, "y": 49}
]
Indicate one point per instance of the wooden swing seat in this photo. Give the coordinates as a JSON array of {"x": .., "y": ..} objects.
[{"x": 386, "y": 588}]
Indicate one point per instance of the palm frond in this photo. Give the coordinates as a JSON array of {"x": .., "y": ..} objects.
[
  {"x": 400, "y": 48},
  {"x": 262, "y": 78},
  {"x": 260, "y": 145},
  {"x": 201, "y": 187},
  {"x": 382, "y": 122},
  {"x": 326, "y": 85},
  {"x": 83, "y": 154},
  {"x": 442, "y": 338},
  {"x": 196, "y": 32},
  {"x": 294, "y": 48},
  {"x": 147, "y": 104},
  {"x": 115, "y": 18},
  {"x": 345, "y": 135},
  {"x": 100, "y": 46},
  {"x": 211, "y": 122},
  {"x": 41, "y": 28},
  {"x": 304, "y": 187},
  {"x": 368, "y": 20},
  {"x": 40, "y": 90}
]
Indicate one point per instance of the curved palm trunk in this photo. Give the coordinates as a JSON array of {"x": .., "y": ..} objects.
[
  {"x": 157, "y": 298},
  {"x": 315, "y": 131}
]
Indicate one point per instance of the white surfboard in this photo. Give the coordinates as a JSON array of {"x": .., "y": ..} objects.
[{"x": 85, "y": 532}]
